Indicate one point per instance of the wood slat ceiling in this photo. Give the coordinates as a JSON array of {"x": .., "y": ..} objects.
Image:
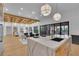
[{"x": 18, "y": 19}]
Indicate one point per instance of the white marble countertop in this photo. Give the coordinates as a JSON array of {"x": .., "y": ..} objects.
[{"x": 49, "y": 43}]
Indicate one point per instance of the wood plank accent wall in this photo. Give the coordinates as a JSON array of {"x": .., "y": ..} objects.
[{"x": 18, "y": 19}]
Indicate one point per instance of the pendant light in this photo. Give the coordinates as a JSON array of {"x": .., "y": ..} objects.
[
  {"x": 57, "y": 15},
  {"x": 46, "y": 10}
]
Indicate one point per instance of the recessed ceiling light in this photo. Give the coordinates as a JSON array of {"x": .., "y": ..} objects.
[
  {"x": 21, "y": 8},
  {"x": 33, "y": 12}
]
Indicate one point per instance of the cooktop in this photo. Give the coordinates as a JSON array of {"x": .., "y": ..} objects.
[{"x": 57, "y": 39}]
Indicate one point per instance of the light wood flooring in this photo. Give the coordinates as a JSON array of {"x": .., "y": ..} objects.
[
  {"x": 74, "y": 50},
  {"x": 13, "y": 47}
]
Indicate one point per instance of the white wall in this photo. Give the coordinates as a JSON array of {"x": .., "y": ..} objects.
[{"x": 73, "y": 18}]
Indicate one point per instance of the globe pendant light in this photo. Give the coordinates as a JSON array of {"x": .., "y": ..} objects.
[
  {"x": 57, "y": 15},
  {"x": 46, "y": 10}
]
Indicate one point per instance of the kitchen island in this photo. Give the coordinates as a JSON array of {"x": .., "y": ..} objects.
[{"x": 44, "y": 46}]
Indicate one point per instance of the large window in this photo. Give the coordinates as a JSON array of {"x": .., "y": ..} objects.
[
  {"x": 65, "y": 29},
  {"x": 62, "y": 28},
  {"x": 48, "y": 29},
  {"x": 9, "y": 30},
  {"x": 30, "y": 29},
  {"x": 15, "y": 30},
  {"x": 45, "y": 30},
  {"x": 57, "y": 28},
  {"x": 26, "y": 30},
  {"x": 52, "y": 32},
  {"x": 36, "y": 29}
]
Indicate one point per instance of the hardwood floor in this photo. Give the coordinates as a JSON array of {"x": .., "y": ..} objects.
[
  {"x": 13, "y": 47},
  {"x": 74, "y": 50}
]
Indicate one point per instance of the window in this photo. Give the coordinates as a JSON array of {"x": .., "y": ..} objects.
[
  {"x": 30, "y": 29},
  {"x": 65, "y": 28},
  {"x": 9, "y": 30},
  {"x": 61, "y": 28},
  {"x": 26, "y": 30},
  {"x": 48, "y": 29},
  {"x": 43, "y": 30},
  {"x": 36, "y": 29},
  {"x": 15, "y": 30},
  {"x": 52, "y": 29}
]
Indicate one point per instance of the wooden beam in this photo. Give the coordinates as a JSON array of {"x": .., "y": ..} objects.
[{"x": 18, "y": 19}]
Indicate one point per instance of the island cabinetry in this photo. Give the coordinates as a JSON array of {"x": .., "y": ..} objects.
[
  {"x": 47, "y": 47},
  {"x": 37, "y": 49},
  {"x": 64, "y": 49}
]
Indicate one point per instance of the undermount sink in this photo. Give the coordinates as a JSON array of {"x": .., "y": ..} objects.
[{"x": 57, "y": 39}]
